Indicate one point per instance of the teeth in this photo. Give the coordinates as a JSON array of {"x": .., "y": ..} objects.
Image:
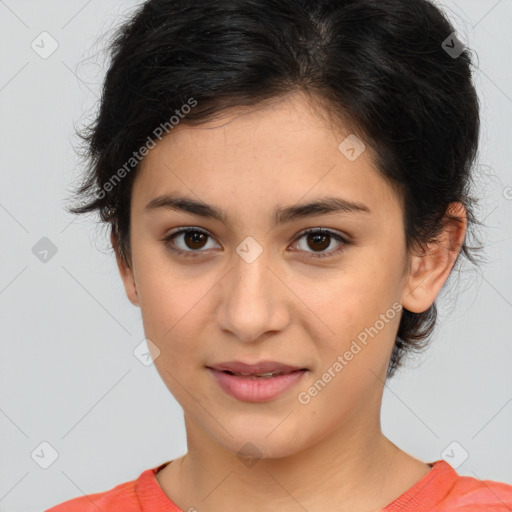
[{"x": 259, "y": 375}]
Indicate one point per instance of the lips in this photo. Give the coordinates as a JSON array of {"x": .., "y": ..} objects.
[
  {"x": 258, "y": 382},
  {"x": 263, "y": 368}
]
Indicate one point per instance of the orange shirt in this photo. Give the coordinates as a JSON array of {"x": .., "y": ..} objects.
[{"x": 440, "y": 490}]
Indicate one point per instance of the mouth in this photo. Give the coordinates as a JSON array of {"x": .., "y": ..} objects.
[
  {"x": 258, "y": 382},
  {"x": 263, "y": 369},
  {"x": 266, "y": 375}
]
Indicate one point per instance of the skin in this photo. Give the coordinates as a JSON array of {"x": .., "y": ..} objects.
[{"x": 286, "y": 306}]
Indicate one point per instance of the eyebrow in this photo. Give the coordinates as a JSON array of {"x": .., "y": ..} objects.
[{"x": 280, "y": 215}]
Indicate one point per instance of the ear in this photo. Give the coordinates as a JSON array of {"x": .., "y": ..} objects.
[
  {"x": 430, "y": 269},
  {"x": 125, "y": 271}
]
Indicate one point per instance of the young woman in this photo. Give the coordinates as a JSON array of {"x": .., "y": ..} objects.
[{"x": 287, "y": 185}]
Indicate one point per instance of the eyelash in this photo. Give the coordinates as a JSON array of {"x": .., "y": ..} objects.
[{"x": 317, "y": 231}]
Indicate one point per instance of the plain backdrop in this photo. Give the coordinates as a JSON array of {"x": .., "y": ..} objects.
[{"x": 71, "y": 388}]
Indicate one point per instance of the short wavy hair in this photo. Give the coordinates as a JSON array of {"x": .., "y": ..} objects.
[{"x": 382, "y": 66}]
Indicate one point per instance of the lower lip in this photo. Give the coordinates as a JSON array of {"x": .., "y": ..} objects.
[{"x": 259, "y": 389}]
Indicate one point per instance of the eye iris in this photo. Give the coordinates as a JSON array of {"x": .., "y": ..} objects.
[
  {"x": 195, "y": 237},
  {"x": 317, "y": 237}
]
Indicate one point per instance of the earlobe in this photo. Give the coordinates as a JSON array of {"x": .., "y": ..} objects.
[
  {"x": 126, "y": 273},
  {"x": 430, "y": 269}
]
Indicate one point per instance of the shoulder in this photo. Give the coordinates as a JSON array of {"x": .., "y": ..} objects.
[
  {"x": 141, "y": 495},
  {"x": 121, "y": 497},
  {"x": 470, "y": 494}
]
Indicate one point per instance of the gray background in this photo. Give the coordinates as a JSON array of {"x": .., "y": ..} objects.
[{"x": 68, "y": 375}]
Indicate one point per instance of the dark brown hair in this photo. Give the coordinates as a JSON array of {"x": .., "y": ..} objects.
[{"x": 384, "y": 65}]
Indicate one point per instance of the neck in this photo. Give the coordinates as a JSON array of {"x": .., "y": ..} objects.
[{"x": 353, "y": 469}]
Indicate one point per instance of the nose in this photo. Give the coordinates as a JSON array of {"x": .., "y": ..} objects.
[{"x": 254, "y": 300}]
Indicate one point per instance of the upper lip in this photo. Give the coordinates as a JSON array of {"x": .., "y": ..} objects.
[{"x": 261, "y": 367}]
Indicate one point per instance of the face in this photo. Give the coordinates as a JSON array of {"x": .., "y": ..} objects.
[{"x": 249, "y": 285}]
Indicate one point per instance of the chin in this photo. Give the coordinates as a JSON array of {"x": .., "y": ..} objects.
[{"x": 255, "y": 442}]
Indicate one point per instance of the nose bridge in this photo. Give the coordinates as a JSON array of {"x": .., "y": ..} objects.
[
  {"x": 251, "y": 262},
  {"x": 250, "y": 303},
  {"x": 251, "y": 275}
]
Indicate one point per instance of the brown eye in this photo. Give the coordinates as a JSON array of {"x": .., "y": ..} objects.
[
  {"x": 188, "y": 241},
  {"x": 318, "y": 240},
  {"x": 194, "y": 239}
]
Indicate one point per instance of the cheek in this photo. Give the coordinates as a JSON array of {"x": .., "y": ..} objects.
[
  {"x": 170, "y": 304},
  {"x": 162, "y": 290},
  {"x": 170, "y": 312},
  {"x": 352, "y": 297},
  {"x": 359, "y": 307}
]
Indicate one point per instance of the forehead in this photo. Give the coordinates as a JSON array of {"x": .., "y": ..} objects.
[
  {"x": 278, "y": 152},
  {"x": 276, "y": 125}
]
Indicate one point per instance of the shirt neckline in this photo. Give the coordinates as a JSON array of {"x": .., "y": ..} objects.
[
  {"x": 427, "y": 492},
  {"x": 421, "y": 497}
]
